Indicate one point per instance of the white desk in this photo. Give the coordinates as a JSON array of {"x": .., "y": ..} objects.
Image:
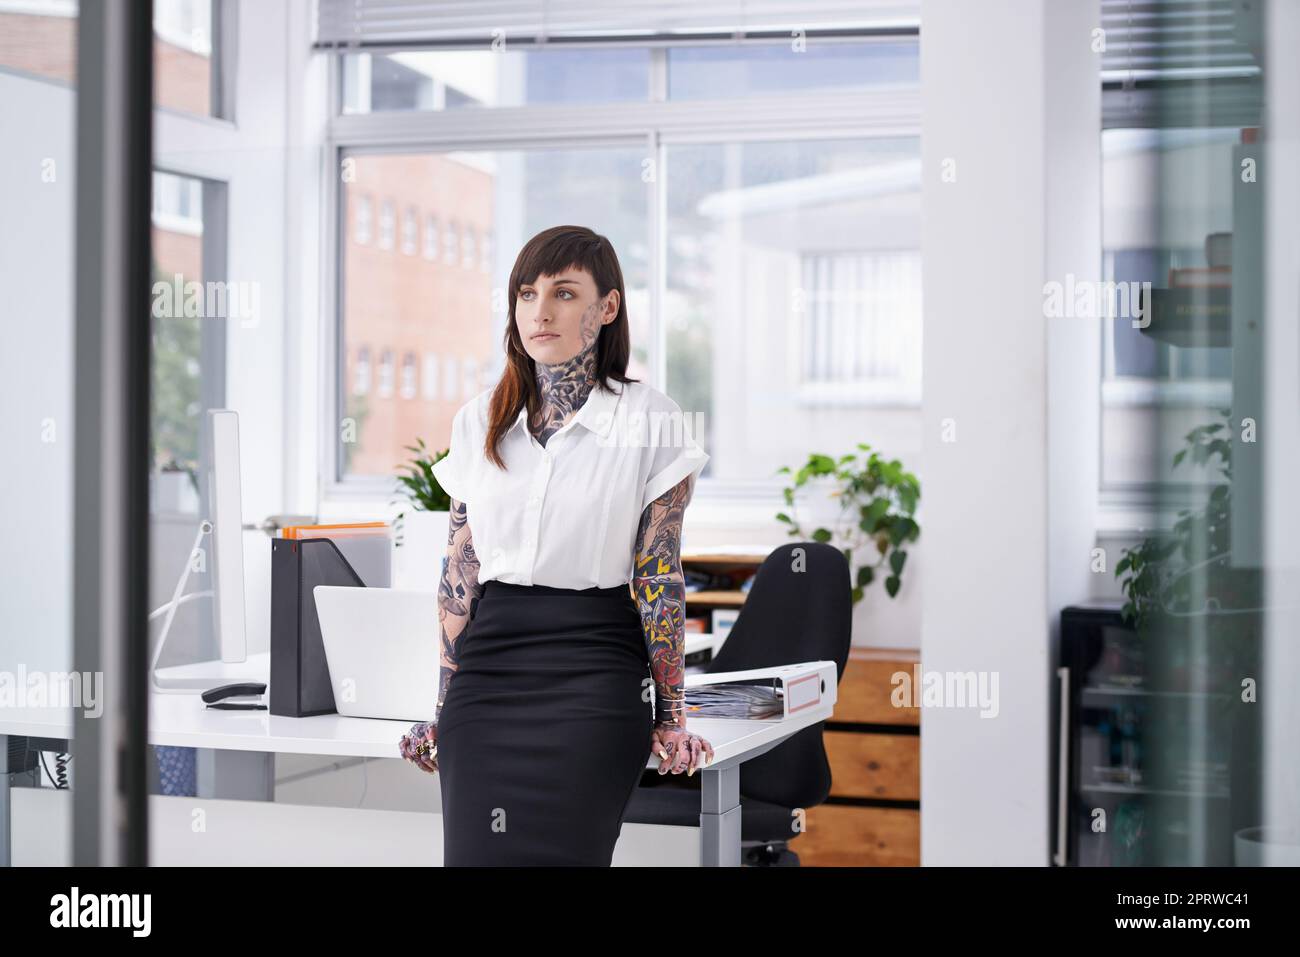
[{"x": 240, "y": 748}]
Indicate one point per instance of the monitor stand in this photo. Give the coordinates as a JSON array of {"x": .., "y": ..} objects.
[{"x": 202, "y": 675}]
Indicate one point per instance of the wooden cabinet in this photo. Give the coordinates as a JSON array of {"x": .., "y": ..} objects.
[
  {"x": 873, "y": 816},
  {"x": 871, "y": 765},
  {"x": 841, "y": 835}
]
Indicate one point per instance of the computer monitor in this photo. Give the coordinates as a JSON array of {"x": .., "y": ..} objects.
[
  {"x": 223, "y": 533},
  {"x": 226, "y": 512}
]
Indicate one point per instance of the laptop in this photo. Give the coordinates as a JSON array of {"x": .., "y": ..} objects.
[{"x": 381, "y": 646}]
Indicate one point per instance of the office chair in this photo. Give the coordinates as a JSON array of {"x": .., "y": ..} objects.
[{"x": 789, "y": 615}]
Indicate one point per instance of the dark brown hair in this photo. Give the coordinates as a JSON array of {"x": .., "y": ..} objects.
[{"x": 550, "y": 253}]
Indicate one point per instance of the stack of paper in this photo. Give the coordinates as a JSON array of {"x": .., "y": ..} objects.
[{"x": 736, "y": 700}]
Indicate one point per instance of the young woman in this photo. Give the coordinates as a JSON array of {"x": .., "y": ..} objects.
[{"x": 574, "y": 479}]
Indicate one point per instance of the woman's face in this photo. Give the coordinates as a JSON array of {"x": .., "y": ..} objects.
[{"x": 560, "y": 316}]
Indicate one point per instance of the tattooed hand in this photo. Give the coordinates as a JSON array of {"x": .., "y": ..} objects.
[
  {"x": 420, "y": 746},
  {"x": 679, "y": 749}
]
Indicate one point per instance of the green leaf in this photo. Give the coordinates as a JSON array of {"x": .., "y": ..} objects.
[
  {"x": 896, "y": 560},
  {"x": 865, "y": 574},
  {"x": 874, "y": 512},
  {"x": 821, "y": 535},
  {"x": 891, "y": 585},
  {"x": 782, "y": 517},
  {"x": 898, "y": 529}
]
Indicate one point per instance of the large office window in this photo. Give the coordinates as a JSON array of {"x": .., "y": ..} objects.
[
  {"x": 707, "y": 72},
  {"x": 189, "y": 66},
  {"x": 763, "y": 197},
  {"x": 447, "y": 305},
  {"x": 459, "y": 79},
  {"x": 189, "y": 258},
  {"x": 793, "y": 293},
  {"x": 39, "y": 37},
  {"x": 177, "y": 339}
]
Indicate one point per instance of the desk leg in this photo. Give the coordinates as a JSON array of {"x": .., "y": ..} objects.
[
  {"x": 35, "y": 780},
  {"x": 720, "y": 817},
  {"x": 239, "y": 775}
]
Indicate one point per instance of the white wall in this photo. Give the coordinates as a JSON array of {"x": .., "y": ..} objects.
[{"x": 1008, "y": 95}]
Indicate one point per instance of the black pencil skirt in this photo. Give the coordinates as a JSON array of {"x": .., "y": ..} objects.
[{"x": 545, "y": 729}]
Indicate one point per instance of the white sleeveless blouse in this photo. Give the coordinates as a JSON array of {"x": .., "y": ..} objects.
[{"x": 566, "y": 514}]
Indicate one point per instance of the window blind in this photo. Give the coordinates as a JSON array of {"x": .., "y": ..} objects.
[
  {"x": 1179, "y": 39},
  {"x": 361, "y": 24},
  {"x": 1170, "y": 63}
]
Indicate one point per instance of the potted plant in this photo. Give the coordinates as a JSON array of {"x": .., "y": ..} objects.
[
  {"x": 1198, "y": 617},
  {"x": 420, "y": 529},
  {"x": 1184, "y": 579},
  {"x": 876, "y": 503}
]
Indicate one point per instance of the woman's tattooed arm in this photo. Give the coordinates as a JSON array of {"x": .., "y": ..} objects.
[
  {"x": 458, "y": 594},
  {"x": 661, "y": 599}
]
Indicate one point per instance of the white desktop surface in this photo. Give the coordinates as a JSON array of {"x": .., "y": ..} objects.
[{"x": 182, "y": 720}]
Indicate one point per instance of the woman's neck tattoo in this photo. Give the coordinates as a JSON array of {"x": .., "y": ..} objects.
[{"x": 564, "y": 387}]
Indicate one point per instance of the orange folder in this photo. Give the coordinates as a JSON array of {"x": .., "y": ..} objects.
[{"x": 330, "y": 531}]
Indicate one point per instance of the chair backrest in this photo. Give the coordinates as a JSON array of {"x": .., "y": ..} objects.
[{"x": 799, "y": 608}]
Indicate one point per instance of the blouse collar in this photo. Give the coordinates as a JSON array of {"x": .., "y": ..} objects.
[{"x": 596, "y": 414}]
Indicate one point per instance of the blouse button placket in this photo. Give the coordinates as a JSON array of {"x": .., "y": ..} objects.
[{"x": 534, "y": 511}]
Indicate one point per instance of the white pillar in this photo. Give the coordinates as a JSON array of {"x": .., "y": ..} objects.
[{"x": 1011, "y": 133}]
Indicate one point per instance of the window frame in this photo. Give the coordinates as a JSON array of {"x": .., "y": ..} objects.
[
  {"x": 223, "y": 67},
  {"x": 655, "y": 124}
]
